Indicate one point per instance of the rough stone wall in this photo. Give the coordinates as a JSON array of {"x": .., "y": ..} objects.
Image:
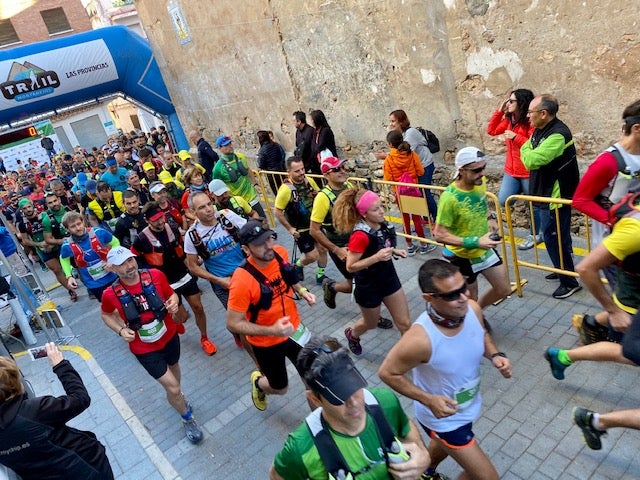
[{"x": 448, "y": 63}]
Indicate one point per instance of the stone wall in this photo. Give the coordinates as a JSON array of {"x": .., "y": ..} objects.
[{"x": 448, "y": 63}]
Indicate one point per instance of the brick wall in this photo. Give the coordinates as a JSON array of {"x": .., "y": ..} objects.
[{"x": 30, "y": 26}]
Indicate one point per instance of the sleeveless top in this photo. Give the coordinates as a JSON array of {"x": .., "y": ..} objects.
[{"x": 453, "y": 370}]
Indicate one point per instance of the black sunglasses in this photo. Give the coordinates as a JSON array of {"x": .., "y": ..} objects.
[
  {"x": 477, "y": 169},
  {"x": 453, "y": 295},
  {"x": 337, "y": 169},
  {"x": 329, "y": 346}
]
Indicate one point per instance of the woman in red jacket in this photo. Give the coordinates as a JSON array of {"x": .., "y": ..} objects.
[{"x": 511, "y": 121}]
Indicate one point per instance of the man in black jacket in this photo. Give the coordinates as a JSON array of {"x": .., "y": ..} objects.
[
  {"x": 304, "y": 139},
  {"x": 206, "y": 154}
]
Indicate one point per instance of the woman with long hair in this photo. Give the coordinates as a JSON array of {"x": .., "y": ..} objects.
[
  {"x": 370, "y": 253},
  {"x": 511, "y": 121},
  {"x": 323, "y": 139}
]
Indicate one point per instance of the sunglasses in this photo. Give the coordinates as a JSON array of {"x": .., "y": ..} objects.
[
  {"x": 329, "y": 346},
  {"x": 337, "y": 169},
  {"x": 453, "y": 295},
  {"x": 477, "y": 169}
]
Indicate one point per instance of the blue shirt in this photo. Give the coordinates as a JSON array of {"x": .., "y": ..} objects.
[
  {"x": 93, "y": 275},
  {"x": 117, "y": 181}
]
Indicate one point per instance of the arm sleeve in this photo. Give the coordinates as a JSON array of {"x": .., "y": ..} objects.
[{"x": 596, "y": 178}]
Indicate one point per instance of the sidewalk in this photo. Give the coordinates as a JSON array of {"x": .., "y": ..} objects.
[{"x": 525, "y": 426}]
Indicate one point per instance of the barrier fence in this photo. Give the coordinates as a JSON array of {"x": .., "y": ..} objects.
[
  {"x": 542, "y": 203},
  {"x": 396, "y": 205}
]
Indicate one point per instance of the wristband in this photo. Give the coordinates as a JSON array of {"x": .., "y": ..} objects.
[
  {"x": 302, "y": 291},
  {"x": 470, "y": 242},
  {"x": 498, "y": 354},
  {"x": 120, "y": 331}
]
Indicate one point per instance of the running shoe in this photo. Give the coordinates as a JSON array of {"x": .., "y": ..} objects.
[
  {"x": 257, "y": 394},
  {"x": 354, "y": 344},
  {"x": 329, "y": 293},
  {"x": 208, "y": 346},
  {"x": 192, "y": 430},
  {"x": 320, "y": 278},
  {"x": 557, "y": 368},
  {"x": 385, "y": 323},
  {"x": 427, "y": 248},
  {"x": 565, "y": 292},
  {"x": 589, "y": 329},
  {"x": 583, "y": 418},
  {"x": 552, "y": 277},
  {"x": 411, "y": 250}
]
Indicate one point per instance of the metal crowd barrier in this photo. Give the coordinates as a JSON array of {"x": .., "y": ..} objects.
[{"x": 544, "y": 203}]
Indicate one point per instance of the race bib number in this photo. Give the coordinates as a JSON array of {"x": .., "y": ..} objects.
[
  {"x": 152, "y": 331},
  {"x": 97, "y": 270},
  {"x": 466, "y": 393},
  {"x": 301, "y": 336}
]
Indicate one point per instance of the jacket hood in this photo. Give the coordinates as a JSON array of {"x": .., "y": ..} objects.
[{"x": 9, "y": 410}]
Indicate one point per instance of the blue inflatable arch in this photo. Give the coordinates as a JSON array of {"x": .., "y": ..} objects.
[{"x": 47, "y": 76}]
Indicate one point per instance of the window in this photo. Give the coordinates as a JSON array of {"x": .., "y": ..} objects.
[
  {"x": 55, "y": 20},
  {"x": 8, "y": 34}
]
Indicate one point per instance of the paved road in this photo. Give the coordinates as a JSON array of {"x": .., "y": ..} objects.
[{"x": 525, "y": 425}]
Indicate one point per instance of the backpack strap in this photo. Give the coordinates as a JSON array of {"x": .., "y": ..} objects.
[
  {"x": 254, "y": 308},
  {"x": 622, "y": 164},
  {"x": 330, "y": 455}
]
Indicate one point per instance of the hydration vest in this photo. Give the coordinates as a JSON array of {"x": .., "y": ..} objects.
[
  {"x": 298, "y": 210},
  {"x": 331, "y": 457},
  {"x": 132, "y": 308},
  {"x": 384, "y": 237},
  {"x": 57, "y": 230},
  {"x": 235, "y": 172},
  {"x": 235, "y": 207},
  {"x": 624, "y": 182},
  {"x": 96, "y": 246},
  {"x": 340, "y": 239},
  {"x": 288, "y": 274},
  {"x": 155, "y": 258}
]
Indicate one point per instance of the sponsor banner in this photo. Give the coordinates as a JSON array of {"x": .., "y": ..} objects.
[{"x": 55, "y": 72}]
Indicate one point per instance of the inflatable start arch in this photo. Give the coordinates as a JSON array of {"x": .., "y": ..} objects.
[{"x": 46, "y": 76}]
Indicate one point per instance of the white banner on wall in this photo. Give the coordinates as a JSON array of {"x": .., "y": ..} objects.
[{"x": 56, "y": 72}]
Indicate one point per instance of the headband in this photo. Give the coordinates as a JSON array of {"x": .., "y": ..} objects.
[{"x": 366, "y": 200}]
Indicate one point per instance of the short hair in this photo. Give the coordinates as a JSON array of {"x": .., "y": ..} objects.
[
  {"x": 402, "y": 119},
  {"x": 434, "y": 268},
  {"x": 549, "y": 103},
  {"x": 193, "y": 195},
  {"x": 55, "y": 183},
  {"x": 292, "y": 160},
  {"x": 102, "y": 186},
  {"x": 10, "y": 381},
  {"x": 631, "y": 116},
  {"x": 189, "y": 173},
  {"x": 300, "y": 116},
  {"x": 144, "y": 152},
  {"x": 311, "y": 364},
  {"x": 71, "y": 217},
  {"x": 128, "y": 193},
  {"x": 149, "y": 206}
]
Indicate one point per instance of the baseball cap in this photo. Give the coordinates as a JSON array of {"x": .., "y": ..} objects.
[
  {"x": 254, "y": 233},
  {"x": 110, "y": 162},
  {"x": 82, "y": 178},
  {"x": 146, "y": 166},
  {"x": 329, "y": 163},
  {"x": 465, "y": 156},
  {"x": 183, "y": 154},
  {"x": 218, "y": 187},
  {"x": 119, "y": 255},
  {"x": 91, "y": 186},
  {"x": 165, "y": 177},
  {"x": 153, "y": 214},
  {"x": 156, "y": 187},
  {"x": 223, "y": 141},
  {"x": 339, "y": 379}
]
